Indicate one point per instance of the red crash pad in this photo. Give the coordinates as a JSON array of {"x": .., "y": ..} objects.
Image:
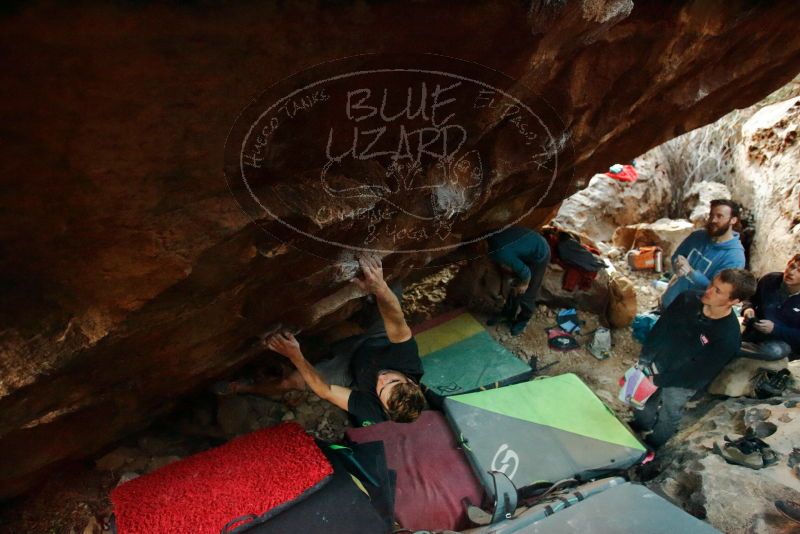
[
  {"x": 250, "y": 475},
  {"x": 433, "y": 476}
]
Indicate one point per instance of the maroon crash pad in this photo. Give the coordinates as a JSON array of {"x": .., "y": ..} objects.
[{"x": 433, "y": 476}]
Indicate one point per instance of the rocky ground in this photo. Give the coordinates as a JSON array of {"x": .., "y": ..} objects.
[
  {"x": 601, "y": 376},
  {"x": 733, "y": 498}
]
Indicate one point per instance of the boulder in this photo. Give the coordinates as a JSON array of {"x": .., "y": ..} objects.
[
  {"x": 766, "y": 180},
  {"x": 160, "y": 461},
  {"x": 695, "y": 204},
  {"x": 794, "y": 368},
  {"x": 240, "y": 414},
  {"x": 664, "y": 233},
  {"x": 606, "y": 204},
  {"x": 479, "y": 285},
  {"x": 127, "y": 477},
  {"x": 162, "y": 445},
  {"x": 233, "y": 415},
  {"x": 119, "y": 458},
  {"x": 735, "y": 380},
  {"x": 730, "y": 497},
  {"x": 92, "y": 527}
]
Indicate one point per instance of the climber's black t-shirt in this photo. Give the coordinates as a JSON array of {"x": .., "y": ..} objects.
[
  {"x": 372, "y": 357},
  {"x": 688, "y": 348}
]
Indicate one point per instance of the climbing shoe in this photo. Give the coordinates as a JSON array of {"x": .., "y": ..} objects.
[
  {"x": 733, "y": 455},
  {"x": 790, "y": 509},
  {"x": 518, "y": 327},
  {"x": 794, "y": 457},
  {"x": 748, "y": 451},
  {"x": 763, "y": 429},
  {"x": 496, "y": 320},
  {"x": 754, "y": 415}
]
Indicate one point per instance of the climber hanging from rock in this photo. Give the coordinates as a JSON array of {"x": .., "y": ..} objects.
[{"x": 374, "y": 376}]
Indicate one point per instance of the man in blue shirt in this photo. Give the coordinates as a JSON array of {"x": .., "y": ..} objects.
[
  {"x": 524, "y": 253},
  {"x": 705, "y": 253}
]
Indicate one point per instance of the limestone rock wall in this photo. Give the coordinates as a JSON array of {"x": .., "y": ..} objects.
[
  {"x": 766, "y": 180},
  {"x": 606, "y": 204},
  {"x": 130, "y": 275},
  {"x": 696, "y": 202}
]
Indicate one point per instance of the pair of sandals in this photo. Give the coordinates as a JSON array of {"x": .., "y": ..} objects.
[{"x": 748, "y": 451}]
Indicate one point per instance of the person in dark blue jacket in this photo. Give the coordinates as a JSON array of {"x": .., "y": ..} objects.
[
  {"x": 706, "y": 252},
  {"x": 772, "y": 317},
  {"x": 525, "y": 254}
]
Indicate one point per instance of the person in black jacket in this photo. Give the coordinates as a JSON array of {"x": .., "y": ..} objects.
[
  {"x": 772, "y": 317},
  {"x": 696, "y": 336}
]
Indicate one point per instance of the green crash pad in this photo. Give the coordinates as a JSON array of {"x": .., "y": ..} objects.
[
  {"x": 541, "y": 431},
  {"x": 459, "y": 356}
]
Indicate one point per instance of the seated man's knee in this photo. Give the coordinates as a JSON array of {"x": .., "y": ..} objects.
[
  {"x": 776, "y": 350},
  {"x": 766, "y": 350}
]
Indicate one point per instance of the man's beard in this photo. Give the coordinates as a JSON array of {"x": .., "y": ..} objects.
[{"x": 718, "y": 232}]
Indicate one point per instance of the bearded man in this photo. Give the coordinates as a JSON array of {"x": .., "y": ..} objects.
[{"x": 705, "y": 253}]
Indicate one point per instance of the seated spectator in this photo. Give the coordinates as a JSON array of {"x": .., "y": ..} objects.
[
  {"x": 693, "y": 340},
  {"x": 772, "y": 317},
  {"x": 706, "y": 252},
  {"x": 525, "y": 254}
]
